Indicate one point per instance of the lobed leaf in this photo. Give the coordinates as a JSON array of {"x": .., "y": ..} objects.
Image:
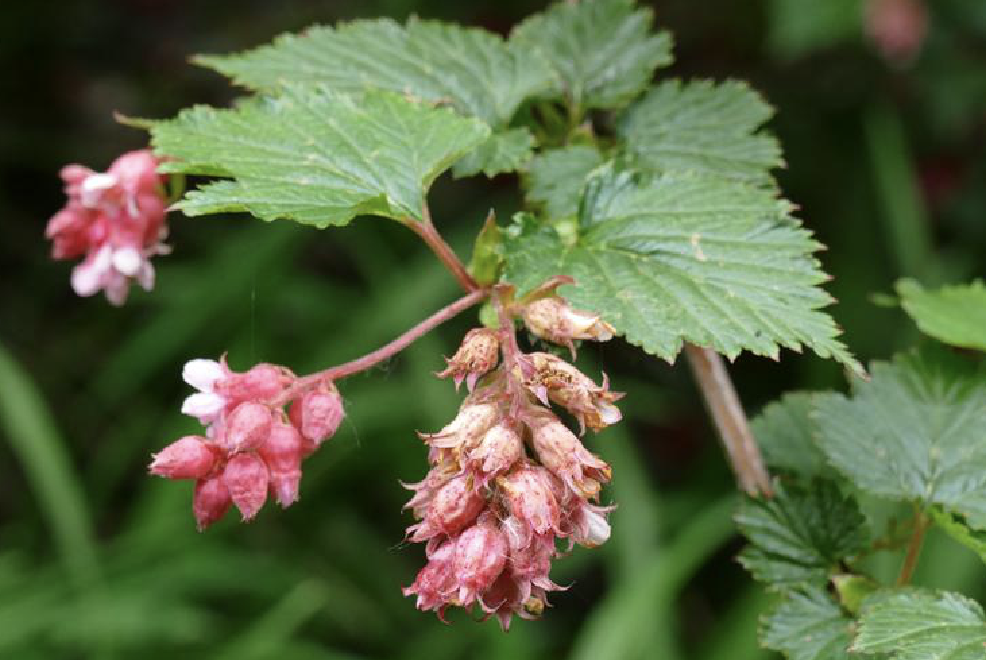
[
  {"x": 703, "y": 126},
  {"x": 913, "y": 433},
  {"x": 602, "y": 50},
  {"x": 504, "y": 151},
  {"x": 807, "y": 625},
  {"x": 316, "y": 155},
  {"x": 801, "y": 536},
  {"x": 784, "y": 430},
  {"x": 554, "y": 178},
  {"x": 914, "y": 624},
  {"x": 954, "y": 314},
  {"x": 473, "y": 70},
  {"x": 684, "y": 257}
]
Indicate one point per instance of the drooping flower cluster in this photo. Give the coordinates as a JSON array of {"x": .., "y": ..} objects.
[
  {"x": 115, "y": 221},
  {"x": 508, "y": 478},
  {"x": 252, "y": 444}
]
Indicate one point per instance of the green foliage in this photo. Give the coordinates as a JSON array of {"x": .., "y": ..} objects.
[
  {"x": 921, "y": 625},
  {"x": 603, "y": 51},
  {"x": 785, "y": 432},
  {"x": 315, "y": 155},
  {"x": 801, "y": 535},
  {"x": 704, "y": 127},
  {"x": 502, "y": 152},
  {"x": 684, "y": 257},
  {"x": 913, "y": 433},
  {"x": 955, "y": 315},
  {"x": 808, "y": 625},
  {"x": 555, "y": 177}
]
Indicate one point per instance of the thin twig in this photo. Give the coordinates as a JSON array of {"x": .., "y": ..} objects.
[
  {"x": 727, "y": 412},
  {"x": 921, "y": 524},
  {"x": 429, "y": 234},
  {"x": 387, "y": 351}
]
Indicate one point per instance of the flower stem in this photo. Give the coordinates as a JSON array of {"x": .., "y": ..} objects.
[
  {"x": 429, "y": 234},
  {"x": 921, "y": 524},
  {"x": 724, "y": 405},
  {"x": 387, "y": 351}
]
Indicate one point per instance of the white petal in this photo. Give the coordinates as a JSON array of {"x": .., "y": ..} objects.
[
  {"x": 204, "y": 405},
  {"x": 597, "y": 528},
  {"x": 94, "y": 186},
  {"x": 90, "y": 276},
  {"x": 127, "y": 260},
  {"x": 117, "y": 287},
  {"x": 145, "y": 276},
  {"x": 202, "y": 374}
]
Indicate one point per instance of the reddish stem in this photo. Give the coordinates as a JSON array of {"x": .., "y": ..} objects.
[
  {"x": 727, "y": 412},
  {"x": 921, "y": 524},
  {"x": 426, "y": 230},
  {"x": 384, "y": 352}
]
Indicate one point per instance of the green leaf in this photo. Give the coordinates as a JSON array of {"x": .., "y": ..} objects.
[
  {"x": 602, "y": 50},
  {"x": 315, "y": 155},
  {"x": 914, "y": 433},
  {"x": 784, "y": 431},
  {"x": 487, "y": 253},
  {"x": 705, "y": 127},
  {"x": 474, "y": 71},
  {"x": 801, "y": 535},
  {"x": 807, "y": 625},
  {"x": 502, "y": 152},
  {"x": 554, "y": 178},
  {"x": 954, "y": 314},
  {"x": 955, "y": 527},
  {"x": 914, "y": 624},
  {"x": 684, "y": 257}
]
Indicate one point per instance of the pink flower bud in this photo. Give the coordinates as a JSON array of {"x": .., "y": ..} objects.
[
  {"x": 466, "y": 430},
  {"x": 282, "y": 453},
  {"x": 478, "y": 353},
  {"x": 317, "y": 414},
  {"x": 435, "y": 581},
  {"x": 553, "y": 319},
  {"x": 247, "y": 478},
  {"x": 500, "y": 448},
  {"x": 565, "y": 385},
  {"x": 480, "y": 556},
  {"x": 587, "y": 524},
  {"x": 190, "y": 457},
  {"x": 262, "y": 382},
  {"x": 561, "y": 452},
  {"x": 456, "y": 504},
  {"x": 528, "y": 493},
  {"x": 247, "y": 427},
  {"x": 425, "y": 490},
  {"x": 211, "y": 501}
]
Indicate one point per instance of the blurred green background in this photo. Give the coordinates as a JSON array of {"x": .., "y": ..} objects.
[{"x": 97, "y": 560}]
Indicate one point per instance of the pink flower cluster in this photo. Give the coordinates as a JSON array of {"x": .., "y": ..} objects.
[
  {"x": 251, "y": 445},
  {"x": 508, "y": 480},
  {"x": 115, "y": 220}
]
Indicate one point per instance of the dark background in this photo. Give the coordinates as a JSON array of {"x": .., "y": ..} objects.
[{"x": 97, "y": 560}]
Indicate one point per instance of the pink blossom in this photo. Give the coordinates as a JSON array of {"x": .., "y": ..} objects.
[
  {"x": 116, "y": 219},
  {"x": 480, "y": 555},
  {"x": 190, "y": 457},
  {"x": 560, "y": 451},
  {"x": 211, "y": 500},
  {"x": 317, "y": 414},
  {"x": 247, "y": 478},
  {"x": 262, "y": 382},
  {"x": 500, "y": 448},
  {"x": 466, "y": 430},
  {"x": 436, "y": 580},
  {"x": 455, "y": 505},
  {"x": 586, "y": 523},
  {"x": 282, "y": 452},
  {"x": 477, "y": 354},
  {"x": 529, "y": 496},
  {"x": 247, "y": 427}
]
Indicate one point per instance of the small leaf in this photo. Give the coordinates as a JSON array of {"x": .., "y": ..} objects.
[
  {"x": 487, "y": 253},
  {"x": 913, "y": 433},
  {"x": 705, "y": 127},
  {"x": 315, "y": 155},
  {"x": 784, "y": 431},
  {"x": 474, "y": 71},
  {"x": 914, "y": 624},
  {"x": 602, "y": 50},
  {"x": 955, "y": 527},
  {"x": 502, "y": 152},
  {"x": 807, "y": 625},
  {"x": 554, "y": 178},
  {"x": 853, "y": 590},
  {"x": 684, "y": 257},
  {"x": 954, "y": 314},
  {"x": 801, "y": 536}
]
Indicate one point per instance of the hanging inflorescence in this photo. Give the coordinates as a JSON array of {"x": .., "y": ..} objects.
[{"x": 508, "y": 478}]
